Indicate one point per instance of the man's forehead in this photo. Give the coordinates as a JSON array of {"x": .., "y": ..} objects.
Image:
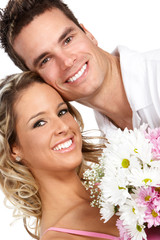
[
  {"x": 53, "y": 13},
  {"x": 36, "y": 38}
]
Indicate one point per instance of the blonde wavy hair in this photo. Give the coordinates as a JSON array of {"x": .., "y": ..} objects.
[{"x": 16, "y": 180}]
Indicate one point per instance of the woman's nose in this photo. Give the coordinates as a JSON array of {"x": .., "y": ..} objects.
[{"x": 61, "y": 127}]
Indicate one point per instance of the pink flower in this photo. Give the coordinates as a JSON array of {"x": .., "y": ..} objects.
[
  {"x": 154, "y": 137},
  {"x": 97, "y": 184},
  {"x": 152, "y": 217},
  {"x": 122, "y": 230},
  {"x": 156, "y": 203},
  {"x": 150, "y": 198},
  {"x": 146, "y": 196}
]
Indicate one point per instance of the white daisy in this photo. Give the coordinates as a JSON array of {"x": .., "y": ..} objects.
[
  {"x": 144, "y": 177},
  {"x": 107, "y": 211},
  {"x": 130, "y": 213},
  {"x": 114, "y": 189},
  {"x": 136, "y": 232},
  {"x": 155, "y": 164}
]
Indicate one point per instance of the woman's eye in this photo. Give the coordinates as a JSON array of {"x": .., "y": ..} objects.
[
  {"x": 39, "y": 123},
  {"x": 68, "y": 40},
  {"x": 62, "y": 112}
]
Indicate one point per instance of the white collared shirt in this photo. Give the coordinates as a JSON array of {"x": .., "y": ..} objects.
[{"x": 141, "y": 79}]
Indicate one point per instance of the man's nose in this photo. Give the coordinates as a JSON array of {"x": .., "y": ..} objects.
[{"x": 67, "y": 60}]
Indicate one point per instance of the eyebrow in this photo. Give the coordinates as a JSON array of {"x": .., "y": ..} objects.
[
  {"x": 62, "y": 36},
  {"x": 37, "y": 59},
  {"x": 41, "y": 113},
  {"x": 65, "y": 33}
]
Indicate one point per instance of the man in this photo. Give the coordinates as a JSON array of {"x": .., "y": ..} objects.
[{"x": 44, "y": 36}]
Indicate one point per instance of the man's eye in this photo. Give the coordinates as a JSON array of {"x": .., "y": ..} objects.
[
  {"x": 62, "y": 112},
  {"x": 45, "y": 61},
  {"x": 68, "y": 40},
  {"x": 39, "y": 123}
]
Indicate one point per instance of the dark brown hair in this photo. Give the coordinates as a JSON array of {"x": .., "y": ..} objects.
[{"x": 19, "y": 13}]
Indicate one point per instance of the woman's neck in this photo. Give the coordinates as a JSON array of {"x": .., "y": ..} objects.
[
  {"x": 60, "y": 197},
  {"x": 66, "y": 204}
]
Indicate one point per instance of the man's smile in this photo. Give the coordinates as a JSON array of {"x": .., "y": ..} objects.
[{"x": 78, "y": 74}]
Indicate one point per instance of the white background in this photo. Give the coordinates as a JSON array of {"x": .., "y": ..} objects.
[{"x": 133, "y": 23}]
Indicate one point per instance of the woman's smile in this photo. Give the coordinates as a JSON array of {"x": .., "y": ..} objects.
[{"x": 65, "y": 146}]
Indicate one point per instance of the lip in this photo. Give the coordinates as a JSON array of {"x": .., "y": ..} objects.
[
  {"x": 70, "y": 148},
  {"x": 81, "y": 77}
]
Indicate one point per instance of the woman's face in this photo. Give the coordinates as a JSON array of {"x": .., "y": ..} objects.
[{"x": 49, "y": 138}]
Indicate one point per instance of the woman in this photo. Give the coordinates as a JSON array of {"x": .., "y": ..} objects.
[{"x": 41, "y": 166}]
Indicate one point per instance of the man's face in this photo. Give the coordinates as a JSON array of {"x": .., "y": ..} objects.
[{"x": 64, "y": 56}]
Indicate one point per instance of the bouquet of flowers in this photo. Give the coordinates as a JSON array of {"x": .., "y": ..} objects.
[{"x": 126, "y": 182}]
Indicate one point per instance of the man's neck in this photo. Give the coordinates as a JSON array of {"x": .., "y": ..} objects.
[{"x": 111, "y": 100}]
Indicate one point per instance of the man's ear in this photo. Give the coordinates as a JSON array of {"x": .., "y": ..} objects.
[{"x": 89, "y": 35}]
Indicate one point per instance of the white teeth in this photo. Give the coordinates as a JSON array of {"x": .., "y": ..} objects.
[
  {"x": 63, "y": 145},
  {"x": 79, "y": 74}
]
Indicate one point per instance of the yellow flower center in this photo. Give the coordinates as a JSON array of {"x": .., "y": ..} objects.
[
  {"x": 133, "y": 210},
  {"x": 154, "y": 214},
  {"x": 136, "y": 150},
  {"x": 147, "y": 198},
  {"x": 125, "y": 163},
  {"x": 146, "y": 180},
  {"x": 157, "y": 189},
  {"x": 120, "y": 188},
  {"x": 139, "y": 228}
]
